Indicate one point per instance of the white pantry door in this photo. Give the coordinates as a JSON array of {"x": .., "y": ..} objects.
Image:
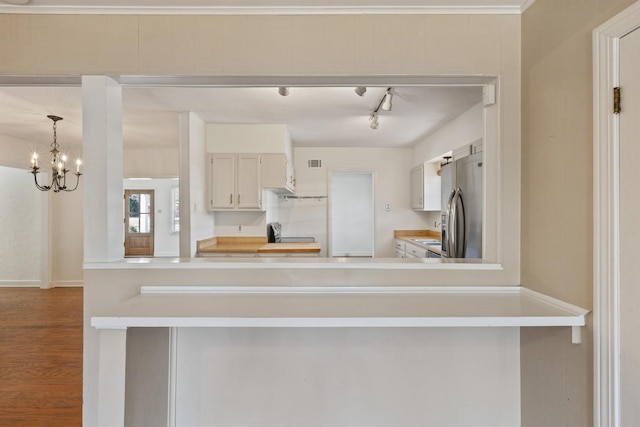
[
  {"x": 351, "y": 214},
  {"x": 630, "y": 230}
]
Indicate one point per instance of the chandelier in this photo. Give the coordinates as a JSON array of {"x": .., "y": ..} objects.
[{"x": 58, "y": 166}]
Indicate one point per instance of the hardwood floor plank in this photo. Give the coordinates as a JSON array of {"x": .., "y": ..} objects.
[{"x": 40, "y": 357}]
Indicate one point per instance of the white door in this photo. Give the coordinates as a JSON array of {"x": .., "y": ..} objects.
[
  {"x": 351, "y": 214},
  {"x": 629, "y": 376}
]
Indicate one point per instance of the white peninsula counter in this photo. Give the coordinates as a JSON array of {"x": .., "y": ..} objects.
[{"x": 211, "y": 372}]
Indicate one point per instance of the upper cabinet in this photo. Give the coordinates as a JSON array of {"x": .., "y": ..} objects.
[
  {"x": 276, "y": 173},
  {"x": 425, "y": 187},
  {"x": 236, "y": 179},
  {"x": 234, "y": 182}
]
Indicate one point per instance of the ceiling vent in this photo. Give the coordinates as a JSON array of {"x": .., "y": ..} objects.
[{"x": 314, "y": 163}]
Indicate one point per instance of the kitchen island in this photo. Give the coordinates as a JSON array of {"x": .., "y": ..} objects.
[{"x": 252, "y": 247}]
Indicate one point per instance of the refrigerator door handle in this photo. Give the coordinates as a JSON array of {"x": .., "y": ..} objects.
[
  {"x": 449, "y": 242},
  {"x": 453, "y": 226},
  {"x": 461, "y": 251}
]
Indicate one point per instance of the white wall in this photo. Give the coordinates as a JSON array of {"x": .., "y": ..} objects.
[
  {"x": 166, "y": 242},
  {"x": 463, "y": 130},
  {"x": 151, "y": 162},
  {"x": 308, "y": 217},
  {"x": 247, "y": 138},
  {"x": 67, "y": 234},
  {"x": 20, "y": 228},
  {"x": 57, "y": 217}
]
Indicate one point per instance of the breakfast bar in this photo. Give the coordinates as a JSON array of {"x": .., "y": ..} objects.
[{"x": 192, "y": 308}]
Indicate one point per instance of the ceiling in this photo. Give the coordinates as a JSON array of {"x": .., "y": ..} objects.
[{"x": 315, "y": 116}]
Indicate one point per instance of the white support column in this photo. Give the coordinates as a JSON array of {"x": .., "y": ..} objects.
[
  {"x": 185, "y": 200},
  {"x": 102, "y": 174},
  {"x": 111, "y": 377}
]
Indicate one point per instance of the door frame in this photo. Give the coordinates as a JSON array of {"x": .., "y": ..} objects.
[
  {"x": 152, "y": 227},
  {"x": 606, "y": 208}
]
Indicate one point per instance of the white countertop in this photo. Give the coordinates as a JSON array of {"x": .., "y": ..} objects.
[
  {"x": 293, "y": 263},
  {"x": 218, "y": 306}
]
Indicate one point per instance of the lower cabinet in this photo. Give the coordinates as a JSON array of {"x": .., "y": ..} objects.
[
  {"x": 413, "y": 251},
  {"x": 405, "y": 249},
  {"x": 400, "y": 248}
]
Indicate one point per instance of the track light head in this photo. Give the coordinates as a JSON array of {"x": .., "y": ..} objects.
[
  {"x": 386, "y": 102},
  {"x": 360, "y": 90},
  {"x": 283, "y": 91},
  {"x": 374, "y": 121}
]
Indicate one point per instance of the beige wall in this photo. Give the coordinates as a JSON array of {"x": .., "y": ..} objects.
[
  {"x": 557, "y": 202},
  {"x": 255, "y": 45},
  {"x": 349, "y": 45},
  {"x": 421, "y": 45}
]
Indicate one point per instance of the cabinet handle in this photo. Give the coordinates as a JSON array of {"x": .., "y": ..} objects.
[
  {"x": 230, "y": 199},
  {"x": 238, "y": 199}
]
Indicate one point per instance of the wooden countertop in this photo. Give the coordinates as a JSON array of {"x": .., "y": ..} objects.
[
  {"x": 416, "y": 234},
  {"x": 292, "y": 247},
  {"x": 256, "y": 244}
]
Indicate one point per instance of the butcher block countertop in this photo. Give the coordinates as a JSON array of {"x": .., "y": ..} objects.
[
  {"x": 290, "y": 247},
  {"x": 416, "y": 234},
  {"x": 256, "y": 244}
]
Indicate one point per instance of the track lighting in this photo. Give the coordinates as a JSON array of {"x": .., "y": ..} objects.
[
  {"x": 385, "y": 104},
  {"x": 386, "y": 101},
  {"x": 374, "y": 121},
  {"x": 360, "y": 90},
  {"x": 283, "y": 91}
]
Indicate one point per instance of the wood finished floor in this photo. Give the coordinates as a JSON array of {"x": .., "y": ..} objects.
[{"x": 40, "y": 357}]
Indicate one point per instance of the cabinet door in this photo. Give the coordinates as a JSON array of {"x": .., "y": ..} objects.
[
  {"x": 275, "y": 172},
  {"x": 417, "y": 187},
  {"x": 248, "y": 182},
  {"x": 222, "y": 173}
]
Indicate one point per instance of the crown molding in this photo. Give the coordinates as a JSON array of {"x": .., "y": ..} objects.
[{"x": 268, "y": 10}]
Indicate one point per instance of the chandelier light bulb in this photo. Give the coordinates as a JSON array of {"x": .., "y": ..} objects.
[{"x": 78, "y": 163}]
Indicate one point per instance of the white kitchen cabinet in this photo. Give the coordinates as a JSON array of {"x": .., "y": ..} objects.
[
  {"x": 400, "y": 248},
  {"x": 276, "y": 173},
  {"x": 234, "y": 182},
  {"x": 425, "y": 187},
  {"x": 414, "y": 251}
]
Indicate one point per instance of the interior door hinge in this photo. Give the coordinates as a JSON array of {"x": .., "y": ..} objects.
[{"x": 616, "y": 100}]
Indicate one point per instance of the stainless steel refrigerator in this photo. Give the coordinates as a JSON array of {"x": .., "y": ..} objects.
[{"x": 461, "y": 222}]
